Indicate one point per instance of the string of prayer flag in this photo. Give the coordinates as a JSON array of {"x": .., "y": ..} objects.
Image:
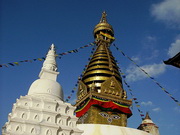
[
  {"x": 149, "y": 76},
  {"x": 132, "y": 95},
  {"x": 79, "y": 78},
  {"x": 17, "y": 63}
]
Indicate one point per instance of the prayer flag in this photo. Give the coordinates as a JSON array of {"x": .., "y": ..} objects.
[
  {"x": 16, "y": 63},
  {"x": 5, "y": 65},
  {"x": 11, "y": 64},
  {"x": 39, "y": 59},
  {"x": 136, "y": 102},
  {"x": 72, "y": 91}
]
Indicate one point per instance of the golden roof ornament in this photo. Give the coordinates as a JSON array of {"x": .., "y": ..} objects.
[
  {"x": 103, "y": 26},
  {"x": 103, "y": 18}
]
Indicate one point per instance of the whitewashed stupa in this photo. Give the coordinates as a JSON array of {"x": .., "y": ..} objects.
[
  {"x": 43, "y": 111},
  {"x": 149, "y": 126}
]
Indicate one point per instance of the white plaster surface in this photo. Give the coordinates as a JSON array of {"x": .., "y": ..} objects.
[
  {"x": 47, "y": 85},
  {"x": 38, "y": 115},
  {"x": 99, "y": 129},
  {"x": 43, "y": 111}
]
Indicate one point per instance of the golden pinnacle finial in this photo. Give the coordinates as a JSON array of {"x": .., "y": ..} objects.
[
  {"x": 103, "y": 26},
  {"x": 103, "y": 18}
]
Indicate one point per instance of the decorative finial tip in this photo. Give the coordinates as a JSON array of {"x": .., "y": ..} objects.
[
  {"x": 52, "y": 47},
  {"x": 104, "y": 12},
  {"x": 147, "y": 116},
  {"x": 103, "y": 18}
]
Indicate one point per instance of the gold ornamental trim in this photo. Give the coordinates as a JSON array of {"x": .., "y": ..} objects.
[
  {"x": 97, "y": 85},
  {"x": 98, "y": 78},
  {"x": 113, "y": 98},
  {"x": 103, "y": 26},
  {"x": 101, "y": 66},
  {"x": 103, "y": 72},
  {"x": 98, "y": 71},
  {"x": 99, "y": 58},
  {"x": 98, "y": 62},
  {"x": 97, "y": 66},
  {"x": 100, "y": 95}
]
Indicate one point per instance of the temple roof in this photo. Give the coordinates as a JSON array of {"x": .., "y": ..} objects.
[{"x": 174, "y": 61}]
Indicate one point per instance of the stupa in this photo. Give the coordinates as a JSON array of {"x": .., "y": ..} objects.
[
  {"x": 102, "y": 104},
  {"x": 149, "y": 126},
  {"x": 42, "y": 111}
]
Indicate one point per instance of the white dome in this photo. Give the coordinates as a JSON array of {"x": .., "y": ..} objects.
[
  {"x": 46, "y": 87},
  {"x": 147, "y": 121},
  {"x": 100, "y": 129}
]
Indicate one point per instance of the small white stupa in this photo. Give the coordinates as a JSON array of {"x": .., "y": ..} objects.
[
  {"x": 43, "y": 111},
  {"x": 149, "y": 126}
]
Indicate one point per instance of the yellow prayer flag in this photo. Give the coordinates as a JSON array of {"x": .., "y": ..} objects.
[
  {"x": 106, "y": 35},
  {"x": 16, "y": 63},
  {"x": 39, "y": 59}
]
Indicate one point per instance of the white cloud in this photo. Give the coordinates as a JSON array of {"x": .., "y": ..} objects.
[
  {"x": 135, "y": 59},
  {"x": 156, "y": 109},
  {"x": 167, "y": 11},
  {"x": 148, "y": 103},
  {"x": 134, "y": 73},
  {"x": 174, "y": 48},
  {"x": 154, "y": 54},
  {"x": 149, "y": 42},
  {"x": 177, "y": 109},
  {"x": 151, "y": 38}
]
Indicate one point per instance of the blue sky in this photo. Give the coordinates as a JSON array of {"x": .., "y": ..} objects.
[{"x": 148, "y": 31}]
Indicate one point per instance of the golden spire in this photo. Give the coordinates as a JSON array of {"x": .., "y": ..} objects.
[
  {"x": 103, "y": 18},
  {"x": 102, "y": 84},
  {"x": 104, "y": 27},
  {"x": 101, "y": 67}
]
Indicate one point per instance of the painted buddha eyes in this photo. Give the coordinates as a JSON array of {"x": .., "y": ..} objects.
[
  {"x": 104, "y": 114},
  {"x": 110, "y": 118},
  {"x": 115, "y": 117}
]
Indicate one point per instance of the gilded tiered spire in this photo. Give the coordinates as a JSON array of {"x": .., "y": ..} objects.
[
  {"x": 100, "y": 89},
  {"x": 103, "y": 26},
  {"x": 101, "y": 67}
]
